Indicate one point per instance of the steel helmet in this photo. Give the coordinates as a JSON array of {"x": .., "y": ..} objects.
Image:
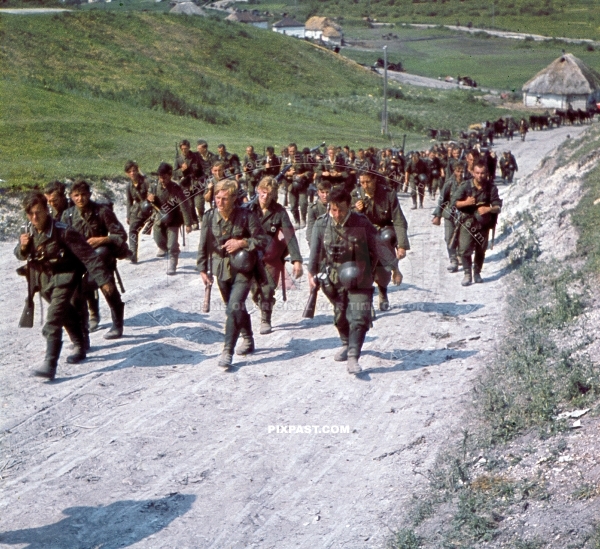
[
  {"x": 145, "y": 208},
  {"x": 388, "y": 236},
  {"x": 243, "y": 260},
  {"x": 350, "y": 275},
  {"x": 422, "y": 177}
]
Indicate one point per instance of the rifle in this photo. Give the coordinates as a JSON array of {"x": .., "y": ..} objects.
[
  {"x": 317, "y": 148},
  {"x": 207, "y": 291},
  {"x": 311, "y": 304},
  {"x": 403, "y": 143},
  {"x": 26, "y": 320},
  {"x": 119, "y": 279},
  {"x": 283, "y": 288}
]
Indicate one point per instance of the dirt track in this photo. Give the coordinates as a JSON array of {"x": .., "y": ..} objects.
[{"x": 149, "y": 444}]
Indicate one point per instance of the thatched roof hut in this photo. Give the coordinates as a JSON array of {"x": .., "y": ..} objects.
[
  {"x": 567, "y": 80},
  {"x": 187, "y": 8}
]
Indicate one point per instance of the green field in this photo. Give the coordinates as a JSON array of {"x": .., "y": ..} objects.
[
  {"x": 493, "y": 62},
  {"x": 82, "y": 93}
]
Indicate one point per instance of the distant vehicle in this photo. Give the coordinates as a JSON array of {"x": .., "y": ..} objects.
[{"x": 467, "y": 81}]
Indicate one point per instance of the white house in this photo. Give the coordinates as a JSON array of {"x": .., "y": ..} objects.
[
  {"x": 324, "y": 29},
  {"x": 566, "y": 81},
  {"x": 289, "y": 27}
]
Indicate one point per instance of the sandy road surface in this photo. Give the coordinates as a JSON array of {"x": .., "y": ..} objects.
[{"x": 149, "y": 444}]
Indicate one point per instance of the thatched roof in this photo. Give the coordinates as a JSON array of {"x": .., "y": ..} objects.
[
  {"x": 331, "y": 32},
  {"x": 245, "y": 17},
  {"x": 316, "y": 23},
  {"x": 567, "y": 75},
  {"x": 187, "y": 8}
]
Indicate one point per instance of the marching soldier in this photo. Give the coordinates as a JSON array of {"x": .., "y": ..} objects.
[
  {"x": 380, "y": 205},
  {"x": 103, "y": 232},
  {"x": 508, "y": 166},
  {"x": 343, "y": 253},
  {"x": 416, "y": 177},
  {"x": 173, "y": 209},
  {"x": 138, "y": 207},
  {"x": 270, "y": 163},
  {"x": 318, "y": 208},
  {"x": 231, "y": 161},
  {"x": 333, "y": 169},
  {"x": 188, "y": 171},
  {"x": 57, "y": 199},
  {"x": 57, "y": 257},
  {"x": 282, "y": 242},
  {"x": 436, "y": 173},
  {"x": 479, "y": 205},
  {"x": 444, "y": 210},
  {"x": 298, "y": 178},
  {"x": 219, "y": 174},
  {"x": 251, "y": 170},
  {"x": 207, "y": 158},
  {"x": 230, "y": 240}
]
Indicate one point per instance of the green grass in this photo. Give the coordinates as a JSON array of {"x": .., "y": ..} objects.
[
  {"x": 82, "y": 93},
  {"x": 440, "y": 52}
]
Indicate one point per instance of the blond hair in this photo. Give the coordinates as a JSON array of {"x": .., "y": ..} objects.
[{"x": 226, "y": 185}]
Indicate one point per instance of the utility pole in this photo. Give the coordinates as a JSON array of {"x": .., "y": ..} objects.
[
  {"x": 493, "y": 15},
  {"x": 384, "y": 115}
]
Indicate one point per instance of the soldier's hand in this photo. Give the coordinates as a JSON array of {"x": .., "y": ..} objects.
[
  {"x": 184, "y": 167},
  {"x": 297, "y": 270},
  {"x": 108, "y": 289},
  {"x": 359, "y": 206},
  {"x": 234, "y": 244},
  {"x": 151, "y": 197},
  {"x": 436, "y": 220},
  {"x": 207, "y": 280},
  {"x": 96, "y": 241},
  {"x": 397, "y": 277},
  {"x": 325, "y": 174},
  {"x": 311, "y": 281},
  {"x": 400, "y": 253},
  {"x": 24, "y": 240},
  {"x": 469, "y": 201},
  {"x": 188, "y": 229}
]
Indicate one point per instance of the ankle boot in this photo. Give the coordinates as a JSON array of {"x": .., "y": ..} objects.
[
  {"x": 172, "y": 269},
  {"x": 48, "y": 370},
  {"x": 265, "y": 322},
  {"x": 246, "y": 346},
  {"x": 384, "y": 303},
  {"x": 94, "y": 309}
]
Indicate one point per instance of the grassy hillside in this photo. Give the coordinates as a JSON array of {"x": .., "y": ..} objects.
[
  {"x": 83, "y": 92},
  {"x": 570, "y": 18}
]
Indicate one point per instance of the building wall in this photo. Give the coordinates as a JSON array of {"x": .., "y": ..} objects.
[
  {"x": 552, "y": 101},
  {"x": 291, "y": 31},
  {"x": 314, "y": 34},
  {"x": 261, "y": 25}
]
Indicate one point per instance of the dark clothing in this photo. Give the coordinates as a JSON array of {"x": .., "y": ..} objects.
[
  {"x": 315, "y": 210},
  {"x": 207, "y": 162},
  {"x": 97, "y": 220},
  {"x": 190, "y": 181},
  {"x": 297, "y": 185},
  {"x": 338, "y": 165},
  {"x": 135, "y": 196},
  {"x": 234, "y": 285},
  {"x": 62, "y": 206},
  {"x": 444, "y": 209},
  {"x": 418, "y": 179},
  {"x": 232, "y": 163},
  {"x": 331, "y": 247},
  {"x": 274, "y": 165},
  {"x": 252, "y": 172},
  {"x": 508, "y": 167}
]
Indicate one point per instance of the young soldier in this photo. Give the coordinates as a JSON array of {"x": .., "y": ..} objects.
[
  {"x": 318, "y": 208},
  {"x": 479, "y": 205},
  {"x": 282, "y": 242},
  {"x": 230, "y": 239},
  {"x": 174, "y": 211},
  {"x": 416, "y": 177},
  {"x": 333, "y": 169},
  {"x": 188, "y": 171},
  {"x": 57, "y": 258},
  {"x": 508, "y": 166},
  {"x": 343, "y": 252},
  {"x": 380, "y": 205},
  {"x": 298, "y": 178},
  {"x": 138, "y": 207},
  {"x": 251, "y": 171},
  {"x": 444, "y": 209},
  {"x": 103, "y": 232},
  {"x": 57, "y": 199}
]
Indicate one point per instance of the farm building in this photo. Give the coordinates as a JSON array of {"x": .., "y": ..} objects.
[
  {"x": 249, "y": 18},
  {"x": 290, "y": 27},
  {"x": 566, "y": 81},
  {"x": 323, "y": 28}
]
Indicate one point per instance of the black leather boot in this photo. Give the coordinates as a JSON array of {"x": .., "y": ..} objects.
[
  {"x": 117, "y": 311},
  {"x": 48, "y": 370}
]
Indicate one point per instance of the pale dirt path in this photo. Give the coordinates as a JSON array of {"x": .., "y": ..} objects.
[{"x": 96, "y": 459}]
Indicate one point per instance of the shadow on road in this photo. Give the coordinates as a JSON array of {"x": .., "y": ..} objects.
[
  {"x": 446, "y": 309},
  {"x": 120, "y": 524}
]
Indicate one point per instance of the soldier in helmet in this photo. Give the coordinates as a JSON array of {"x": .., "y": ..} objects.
[
  {"x": 282, "y": 242},
  {"x": 138, "y": 207},
  {"x": 343, "y": 254},
  {"x": 230, "y": 240},
  {"x": 416, "y": 176},
  {"x": 380, "y": 204},
  {"x": 58, "y": 256}
]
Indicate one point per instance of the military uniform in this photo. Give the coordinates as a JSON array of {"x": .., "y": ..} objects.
[
  {"x": 93, "y": 221},
  {"x": 383, "y": 210},
  {"x": 315, "y": 210},
  {"x": 207, "y": 160},
  {"x": 337, "y": 165},
  {"x": 332, "y": 245},
  {"x": 232, "y": 163},
  {"x": 273, "y": 168},
  {"x": 418, "y": 177},
  {"x": 189, "y": 181},
  {"x": 297, "y": 185},
  {"x": 175, "y": 211},
  {"x": 434, "y": 169},
  {"x": 58, "y": 257},
  {"x": 474, "y": 228},
  {"x": 282, "y": 242},
  {"x": 252, "y": 173},
  {"x": 234, "y": 285},
  {"x": 136, "y": 197},
  {"x": 508, "y": 167}
]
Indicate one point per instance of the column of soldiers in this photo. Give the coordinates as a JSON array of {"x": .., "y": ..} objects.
[{"x": 355, "y": 229}]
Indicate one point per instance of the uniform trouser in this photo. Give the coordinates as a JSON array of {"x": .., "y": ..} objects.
[
  {"x": 298, "y": 204},
  {"x": 114, "y": 300},
  {"x": 436, "y": 185},
  {"x": 352, "y": 317},
  {"x": 264, "y": 294},
  {"x": 199, "y": 205},
  {"x": 135, "y": 226},
  {"x": 472, "y": 241},
  {"x": 62, "y": 312},
  {"x": 417, "y": 188},
  {"x": 508, "y": 174},
  {"x": 167, "y": 239},
  {"x": 234, "y": 293},
  {"x": 449, "y": 227}
]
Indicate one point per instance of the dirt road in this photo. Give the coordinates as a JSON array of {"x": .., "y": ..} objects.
[{"x": 149, "y": 444}]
